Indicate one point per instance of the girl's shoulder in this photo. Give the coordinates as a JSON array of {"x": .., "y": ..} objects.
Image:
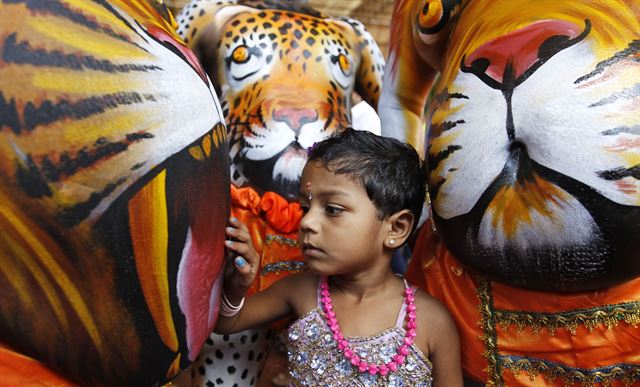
[
  {"x": 432, "y": 314},
  {"x": 301, "y": 289},
  {"x": 302, "y": 281},
  {"x": 439, "y": 337}
]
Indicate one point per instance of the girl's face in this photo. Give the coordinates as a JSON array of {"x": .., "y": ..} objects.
[{"x": 340, "y": 232}]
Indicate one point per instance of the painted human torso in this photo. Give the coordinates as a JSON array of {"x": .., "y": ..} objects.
[
  {"x": 113, "y": 182},
  {"x": 285, "y": 73},
  {"x": 532, "y": 139},
  {"x": 532, "y": 143}
]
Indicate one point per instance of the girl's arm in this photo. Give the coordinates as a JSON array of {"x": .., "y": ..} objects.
[
  {"x": 444, "y": 346},
  {"x": 261, "y": 308}
]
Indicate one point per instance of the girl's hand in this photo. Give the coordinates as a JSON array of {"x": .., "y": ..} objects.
[{"x": 246, "y": 260}]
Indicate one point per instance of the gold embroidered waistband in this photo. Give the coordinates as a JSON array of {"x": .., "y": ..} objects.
[
  {"x": 489, "y": 336},
  {"x": 626, "y": 373},
  {"x": 607, "y": 315}
]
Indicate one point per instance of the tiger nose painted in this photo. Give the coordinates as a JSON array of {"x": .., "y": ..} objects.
[
  {"x": 295, "y": 118},
  {"x": 507, "y": 61}
]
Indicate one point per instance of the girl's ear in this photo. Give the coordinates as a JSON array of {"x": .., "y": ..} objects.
[{"x": 400, "y": 226}]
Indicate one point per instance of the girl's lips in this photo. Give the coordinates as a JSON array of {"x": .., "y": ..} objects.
[
  {"x": 310, "y": 250},
  {"x": 307, "y": 245}
]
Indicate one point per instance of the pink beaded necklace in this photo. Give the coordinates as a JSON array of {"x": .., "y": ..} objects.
[{"x": 364, "y": 366}]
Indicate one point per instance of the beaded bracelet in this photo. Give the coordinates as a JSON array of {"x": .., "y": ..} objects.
[{"x": 227, "y": 309}]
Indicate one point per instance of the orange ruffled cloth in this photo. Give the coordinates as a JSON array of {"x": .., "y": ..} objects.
[
  {"x": 518, "y": 337},
  {"x": 273, "y": 223}
]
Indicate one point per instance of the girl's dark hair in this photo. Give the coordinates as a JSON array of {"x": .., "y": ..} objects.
[{"x": 390, "y": 170}]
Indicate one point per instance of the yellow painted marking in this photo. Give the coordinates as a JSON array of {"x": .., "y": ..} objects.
[
  {"x": 216, "y": 138},
  {"x": 14, "y": 272},
  {"x": 444, "y": 112},
  {"x": 513, "y": 206},
  {"x": 85, "y": 40},
  {"x": 92, "y": 9},
  {"x": 64, "y": 282},
  {"x": 631, "y": 159},
  {"x": 206, "y": 144},
  {"x": 196, "y": 152},
  {"x": 91, "y": 83},
  {"x": 439, "y": 144},
  {"x": 174, "y": 369},
  {"x": 40, "y": 277},
  {"x": 149, "y": 228},
  {"x": 223, "y": 132},
  {"x": 85, "y": 132}
]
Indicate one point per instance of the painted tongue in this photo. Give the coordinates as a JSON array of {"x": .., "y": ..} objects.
[
  {"x": 198, "y": 282},
  {"x": 199, "y": 288}
]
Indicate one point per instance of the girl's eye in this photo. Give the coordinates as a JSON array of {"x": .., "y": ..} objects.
[
  {"x": 333, "y": 210},
  {"x": 304, "y": 208}
]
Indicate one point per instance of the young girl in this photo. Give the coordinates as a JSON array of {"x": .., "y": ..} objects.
[{"x": 358, "y": 323}]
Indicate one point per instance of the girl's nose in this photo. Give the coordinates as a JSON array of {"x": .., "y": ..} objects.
[{"x": 307, "y": 222}]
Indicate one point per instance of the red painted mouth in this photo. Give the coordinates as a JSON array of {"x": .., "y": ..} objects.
[
  {"x": 520, "y": 50},
  {"x": 177, "y": 226},
  {"x": 199, "y": 288},
  {"x": 206, "y": 198}
]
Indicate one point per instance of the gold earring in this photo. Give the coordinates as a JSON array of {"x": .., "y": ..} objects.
[{"x": 430, "y": 209}]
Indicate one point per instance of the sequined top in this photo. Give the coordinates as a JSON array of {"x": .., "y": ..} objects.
[{"x": 315, "y": 360}]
